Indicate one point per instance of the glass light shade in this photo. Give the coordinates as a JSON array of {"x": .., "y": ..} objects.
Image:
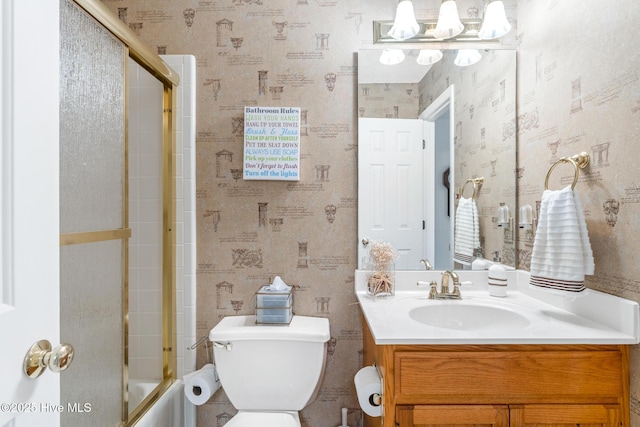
[
  {"x": 429, "y": 57},
  {"x": 392, "y": 56},
  {"x": 526, "y": 217},
  {"x": 449, "y": 24},
  {"x": 466, "y": 57},
  {"x": 494, "y": 23},
  {"x": 503, "y": 215},
  {"x": 405, "y": 25}
]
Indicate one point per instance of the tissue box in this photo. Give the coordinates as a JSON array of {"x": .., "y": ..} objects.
[
  {"x": 273, "y": 316},
  {"x": 273, "y": 307}
]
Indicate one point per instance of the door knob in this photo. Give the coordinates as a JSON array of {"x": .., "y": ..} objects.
[
  {"x": 40, "y": 357},
  {"x": 365, "y": 242}
]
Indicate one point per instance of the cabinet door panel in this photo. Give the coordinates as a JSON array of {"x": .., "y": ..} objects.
[
  {"x": 485, "y": 377},
  {"x": 453, "y": 416},
  {"x": 565, "y": 416}
]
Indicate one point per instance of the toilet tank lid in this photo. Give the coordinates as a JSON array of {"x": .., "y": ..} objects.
[{"x": 301, "y": 328}]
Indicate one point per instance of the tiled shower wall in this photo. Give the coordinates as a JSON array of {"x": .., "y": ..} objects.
[
  {"x": 145, "y": 318},
  {"x": 577, "y": 90},
  {"x": 185, "y": 199},
  {"x": 145, "y": 94}
]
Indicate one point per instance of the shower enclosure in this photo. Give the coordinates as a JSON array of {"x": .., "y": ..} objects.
[{"x": 117, "y": 216}]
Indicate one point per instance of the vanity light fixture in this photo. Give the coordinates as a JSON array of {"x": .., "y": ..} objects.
[
  {"x": 405, "y": 25},
  {"x": 526, "y": 217},
  {"x": 494, "y": 23},
  {"x": 526, "y": 221},
  {"x": 503, "y": 216},
  {"x": 392, "y": 56},
  {"x": 429, "y": 57},
  {"x": 447, "y": 28},
  {"x": 466, "y": 57},
  {"x": 449, "y": 24}
]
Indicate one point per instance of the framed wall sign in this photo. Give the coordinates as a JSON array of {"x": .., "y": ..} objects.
[{"x": 271, "y": 143}]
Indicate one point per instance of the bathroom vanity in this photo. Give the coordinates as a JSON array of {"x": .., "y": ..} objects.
[{"x": 565, "y": 362}]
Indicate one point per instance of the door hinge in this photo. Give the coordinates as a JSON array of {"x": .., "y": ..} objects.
[
  {"x": 424, "y": 224},
  {"x": 424, "y": 144}
]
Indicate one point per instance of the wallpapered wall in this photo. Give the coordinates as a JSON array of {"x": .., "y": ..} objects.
[
  {"x": 578, "y": 90},
  {"x": 484, "y": 137},
  {"x": 389, "y": 100}
]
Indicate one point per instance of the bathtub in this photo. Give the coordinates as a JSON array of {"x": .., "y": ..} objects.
[{"x": 168, "y": 411}]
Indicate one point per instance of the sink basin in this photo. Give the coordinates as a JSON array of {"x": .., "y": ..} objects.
[
  {"x": 463, "y": 316},
  {"x": 524, "y": 316}
]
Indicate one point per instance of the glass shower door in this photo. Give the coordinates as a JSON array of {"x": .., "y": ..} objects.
[{"x": 92, "y": 221}]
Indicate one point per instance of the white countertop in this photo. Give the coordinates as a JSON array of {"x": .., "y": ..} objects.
[{"x": 590, "y": 317}]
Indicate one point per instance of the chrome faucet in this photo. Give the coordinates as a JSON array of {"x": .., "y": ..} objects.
[
  {"x": 427, "y": 264},
  {"x": 445, "y": 293}
]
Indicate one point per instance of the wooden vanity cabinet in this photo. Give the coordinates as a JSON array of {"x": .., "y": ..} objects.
[{"x": 501, "y": 385}]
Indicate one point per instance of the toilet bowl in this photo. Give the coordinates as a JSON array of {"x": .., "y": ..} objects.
[{"x": 269, "y": 373}]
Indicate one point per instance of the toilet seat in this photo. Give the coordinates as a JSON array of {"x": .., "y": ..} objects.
[{"x": 264, "y": 419}]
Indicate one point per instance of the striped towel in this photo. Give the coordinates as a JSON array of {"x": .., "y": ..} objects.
[
  {"x": 562, "y": 254},
  {"x": 467, "y": 231}
]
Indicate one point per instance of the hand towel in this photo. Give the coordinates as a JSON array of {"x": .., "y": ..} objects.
[
  {"x": 562, "y": 254},
  {"x": 467, "y": 231}
]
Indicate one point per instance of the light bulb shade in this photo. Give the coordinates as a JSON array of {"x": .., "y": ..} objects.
[
  {"x": 466, "y": 57},
  {"x": 503, "y": 215},
  {"x": 392, "y": 56},
  {"x": 429, "y": 57},
  {"x": 405, "y": 25},
  {"x": 449, "y": 24},
  {"x": 494, "y": 23},
  {"x": 526, "y": 217}
]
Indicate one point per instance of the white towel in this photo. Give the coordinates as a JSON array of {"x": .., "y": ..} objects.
[
  {"x": 562, "y": 254},
  {"x": 467, "y": 231}
]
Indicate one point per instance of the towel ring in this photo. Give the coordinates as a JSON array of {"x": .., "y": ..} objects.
[
  {"x": 476, "y": 182},
  {"x": 579, "y": 161}
]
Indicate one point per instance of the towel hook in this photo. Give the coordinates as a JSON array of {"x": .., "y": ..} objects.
[
  {"x": 476, "y": 182},
  {"x": 578, "y": 161}
]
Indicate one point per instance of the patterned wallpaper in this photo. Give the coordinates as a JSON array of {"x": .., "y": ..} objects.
[
  {"x": 389, "y": 100},
  {"x": 484, "y": 137},
  {"x": 577, "y": 90}
]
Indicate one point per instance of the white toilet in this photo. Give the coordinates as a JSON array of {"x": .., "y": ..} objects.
[{"x": 269, "y": 373}]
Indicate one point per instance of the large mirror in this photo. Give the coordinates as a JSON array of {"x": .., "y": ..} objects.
[{"x": 437, "y": 158}]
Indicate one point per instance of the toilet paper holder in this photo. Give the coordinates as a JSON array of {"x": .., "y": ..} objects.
[
  {"x": 375, "y": 399},
  {"x": 369, "y": 390}
]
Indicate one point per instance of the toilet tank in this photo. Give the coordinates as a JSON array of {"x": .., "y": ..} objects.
[{"x": 270, "y": 368}]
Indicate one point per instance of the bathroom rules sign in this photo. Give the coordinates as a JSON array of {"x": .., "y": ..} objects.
[{"x": 272, "y": 143}]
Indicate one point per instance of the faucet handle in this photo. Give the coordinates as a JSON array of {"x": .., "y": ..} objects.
[
  {"x": 456, "y": 289},
  {"x": 433, "y": 289}
]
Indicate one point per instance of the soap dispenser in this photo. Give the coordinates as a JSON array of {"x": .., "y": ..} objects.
[{"x": 497, "y": 281}]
